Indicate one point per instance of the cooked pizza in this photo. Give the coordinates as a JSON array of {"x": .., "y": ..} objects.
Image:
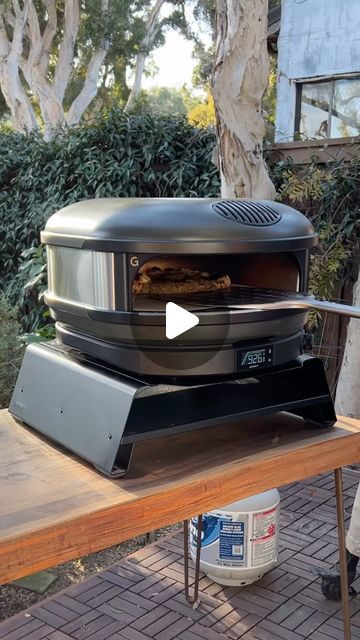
[{"x": 170, "y": 280}]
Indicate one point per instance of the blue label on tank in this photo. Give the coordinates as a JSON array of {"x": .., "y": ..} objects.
[
  {"x": 210, "y": 530},
  {"x": 231, "y": 544}
]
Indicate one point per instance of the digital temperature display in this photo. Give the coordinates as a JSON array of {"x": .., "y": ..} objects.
[{"x": 256, "y": 358}]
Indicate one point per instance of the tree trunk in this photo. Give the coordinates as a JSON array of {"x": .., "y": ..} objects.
[
  {"x": 151, "y": 30},
  {"x": 136, "y": 88},
  {"x": 35, "y": 66},
  {"x": 119, "y": 71},
  {"x": 90, "y": 86},
  {"x": 347, "y": 401},
  {"x": 22, "y": 112},
  {"x": 240, "y": 79},
  {"x": 51, "y": 109},
  {"x": 65, "y": 60}
]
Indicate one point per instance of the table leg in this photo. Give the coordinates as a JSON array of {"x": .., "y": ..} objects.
[
  {"x": 194, "y": 598},
  {"x": 342, "y": 554}
]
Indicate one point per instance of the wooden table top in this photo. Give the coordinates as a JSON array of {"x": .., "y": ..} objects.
[{"x": 54, "y": 507}]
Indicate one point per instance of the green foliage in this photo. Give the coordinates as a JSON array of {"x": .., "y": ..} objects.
[
  {"x": 4, "y": 111},
  {"x": 330, "y": 197},
  {"x": 10, "y": 351},
  {"x": 202, "y": 72},
  {"x": 269, "y": 102},
  {"x": 191, "y": 97},
  {"x": 165, "y": 100},
  {"x": 205, "y": 11},
  {"x": 118, "y": 155},
  {"x": 125, "y": 29},
  {"x": 27, "y": 288},
  {"x": 203, "y": 113}
]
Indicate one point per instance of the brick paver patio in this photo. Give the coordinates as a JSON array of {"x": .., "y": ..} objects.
[{"x": 142, "y": 598}]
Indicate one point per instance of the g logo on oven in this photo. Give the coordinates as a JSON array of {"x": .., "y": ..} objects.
[{"x": 134, "y": 261}]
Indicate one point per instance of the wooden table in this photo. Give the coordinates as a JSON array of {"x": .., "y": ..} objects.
[{"x": 54, "y": 507}]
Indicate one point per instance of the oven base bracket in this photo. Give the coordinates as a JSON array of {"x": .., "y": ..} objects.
[{"x": 100, "y": 413}]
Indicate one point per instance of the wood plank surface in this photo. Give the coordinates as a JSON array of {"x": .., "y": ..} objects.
[{"x": 54, "y": 507}]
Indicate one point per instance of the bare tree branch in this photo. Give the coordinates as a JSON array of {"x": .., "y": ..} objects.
[
  {"x": 10, "y": 18},
  {"x": 20, "y": 22},
  {"x": 49, "y": 33},
  {"x": 89, "y": 89},
  {"x": 51, "y": 25},
  {"x": 152, "y": 18},
  {"x": 4, "y": 42},
  {"x": 16, "y": 7},
  {"x": 22, "y": 112},
  {"x": 40, "y": 44},
  {"x": 150, "y": 33},
  {"x": 66, "y": 51},
  {"x": 34, "y": 33},
  {"x": 34, "y": 68}
]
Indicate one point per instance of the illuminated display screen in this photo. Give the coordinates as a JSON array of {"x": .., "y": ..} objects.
[{"x": 256, "y": 357}]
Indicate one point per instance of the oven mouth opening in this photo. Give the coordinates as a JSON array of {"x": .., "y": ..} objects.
[{"x": 210, "y": 281}]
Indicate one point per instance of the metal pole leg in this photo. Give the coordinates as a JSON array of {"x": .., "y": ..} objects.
[
  {"x": 194, "y": 598},
  {"x": 342, "y": 554}
]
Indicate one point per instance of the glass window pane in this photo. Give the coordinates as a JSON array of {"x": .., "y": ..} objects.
[
  {"x": 345, "y": 118},
  {"x": 314, "y": 114}
]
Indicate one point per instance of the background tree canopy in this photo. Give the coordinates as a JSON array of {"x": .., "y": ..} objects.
[
  {"x": 55, "y": 57},
  {"x": 63, "y": 61}
]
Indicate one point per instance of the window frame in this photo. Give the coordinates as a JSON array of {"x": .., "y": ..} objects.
[{"x": 319, "y": 80}]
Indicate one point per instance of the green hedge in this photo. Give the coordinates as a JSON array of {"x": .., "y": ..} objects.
[
  {"x": 329, "y": 196},
  {"x": 116, "y": 155},
  {"x": 10, "y": 351}
]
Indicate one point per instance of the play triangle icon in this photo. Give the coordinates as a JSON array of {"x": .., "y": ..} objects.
[{"x": 178, "y": 320}]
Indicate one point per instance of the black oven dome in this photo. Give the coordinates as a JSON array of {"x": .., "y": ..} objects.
[{"x": 179, "y": 225}]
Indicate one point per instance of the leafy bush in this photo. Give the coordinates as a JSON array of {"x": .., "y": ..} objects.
[
  {"x": 330, "y": 197},
  {"x": 10, "y": 351},
  {"x": 117, "y": 155},
  {"x": 28, "y": 288}
]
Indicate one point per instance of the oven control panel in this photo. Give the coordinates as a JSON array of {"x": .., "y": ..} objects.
[
  {"x": 253, "y": 358},
  {"x": 274, "y": 353}
]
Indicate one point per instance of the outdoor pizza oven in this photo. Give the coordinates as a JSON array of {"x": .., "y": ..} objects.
[
  {"x": 113, "y": 378},
  {"x": 97, "y": 249}
]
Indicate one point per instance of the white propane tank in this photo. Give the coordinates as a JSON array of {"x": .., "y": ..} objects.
[{"x": 239, "y": 542}]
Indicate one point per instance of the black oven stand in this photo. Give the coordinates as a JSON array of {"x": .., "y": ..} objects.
[{"x": 100, "y": 413}]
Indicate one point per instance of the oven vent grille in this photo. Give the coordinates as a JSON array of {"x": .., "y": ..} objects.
[{"x": 255, "y": 214}]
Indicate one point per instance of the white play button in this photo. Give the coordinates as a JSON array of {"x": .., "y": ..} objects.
[{"x": 178, "y": 320}]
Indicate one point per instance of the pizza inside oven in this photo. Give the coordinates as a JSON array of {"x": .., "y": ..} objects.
[{"x": 162, "y": 278}]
